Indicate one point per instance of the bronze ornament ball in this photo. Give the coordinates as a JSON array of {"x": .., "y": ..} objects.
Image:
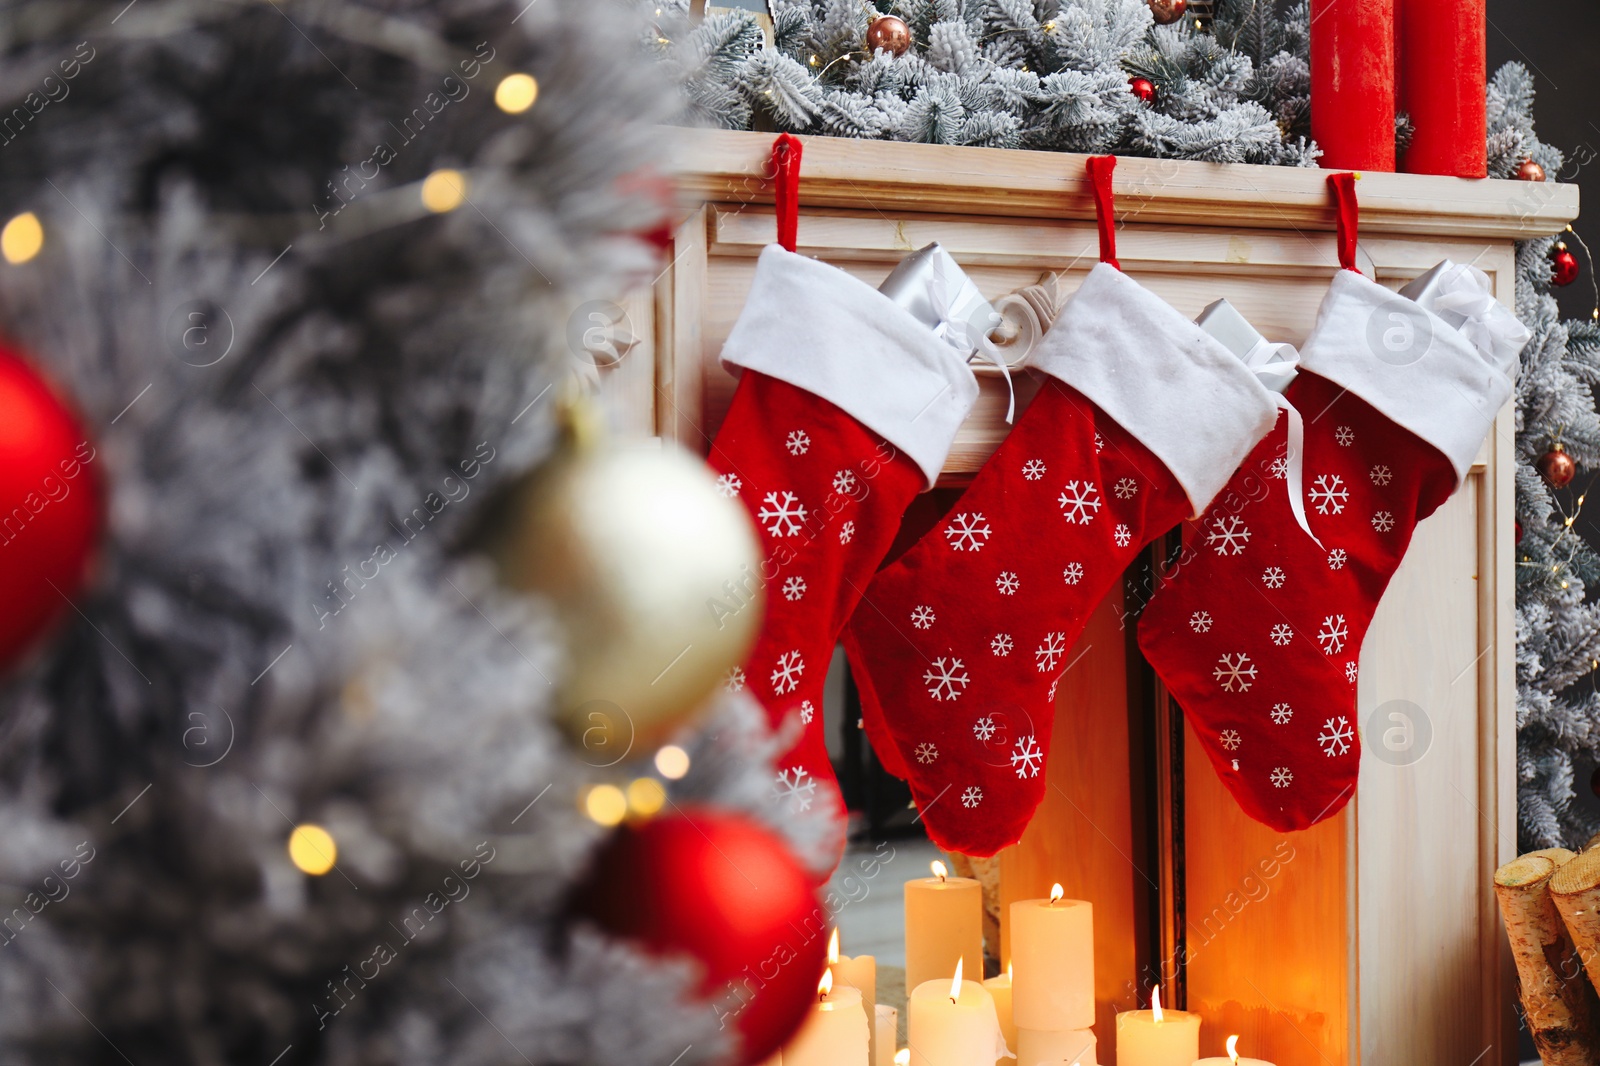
[
  {"x": 891, "y": 35},
  {"x": 1167, "y": 12}
]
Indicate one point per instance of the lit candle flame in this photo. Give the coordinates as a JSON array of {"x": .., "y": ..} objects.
[
  {"x": 825, "y": 985},
  {"x": 902, "y": 1057},
  {"x": 955, "y": 985},
  {"x": 833, "y": 947},
  {"x": 1155, "y": 1003},
  {"x": 939, "y": 870},
  {"x": 1233, "y": 1049},
  {"x": 1008, "y": 971},
  {"x": 1056, "y": 892}
]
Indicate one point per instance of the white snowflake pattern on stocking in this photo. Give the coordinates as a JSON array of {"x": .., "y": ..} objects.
[
  {"x": 1007, "y": 583},
  {"x": 1001, "y": 644},
  {"x": 1235, "y": 672},
  {"x": 1033, "y": 469},
  {"x": 1335, "y": 736},
  {"x": 733, "y": 680},
  {"x": 923, "y": 617},
  {"x": 1228, "y": 535},
  {"x": 1281, "y": 777},
  {"x": 794, "y": 588},
  {"x": 1273, "y": 577},
  {"x": 1350, "y": 671},
  {"x": 844, "y": 482},
  {"x": 1383, "y": 521},
  {"x": 1336, "y": 559},
  {"x": 847, "y": 532},
  {"x": 784, "y": 511},
  {"x": 967, "y": 532},
  {"x": 1230, "y": 739},
  {"x": 1126, "y": 488},
  {"x": 1329, "y": 494},
  {"x": 1281, "y": 713},
  {"x": 983, "y": 728},
  {"x": 1333, "y": 634},
  {"x": 971, "y": 797},
  {"x": 1282, "y": 633},
  {"x": 1026, "y": 758},
  {"x": 927, "y": 752},
  {"x": 799, "y": 442},
  {"x": 1080, "y": 502},
  {"x": 1345, "y": 436},
  {"x": 946, "y": 678},
  {"x": 1122, "y": 535},
  {"x": 798, "y": 787},
  {"x": 1381, "y": 475},
  {"x": 786, "y": 674},
  {"x": 807, "y": 712},
  {"x": 1200, "y": 621},
  {"x": 1046, "y": 654},
  {"x": 1073, "y": 573},
  {"x": 729, "y": 485}
]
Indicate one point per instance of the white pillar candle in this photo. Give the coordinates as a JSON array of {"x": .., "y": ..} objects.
[
  {"x": 1233, "y": 1058},
  {"x": 1052, "y": 957},
  {"x": 884, "y": 1034},
  {"x": 944, "y": 924},
  {"x": 1000, "y": 989},
  {"x": 1157, "y": 1038},
  {"x": 1071, "y": 1047},
  {"x": 952, "y": 1023},
  {"x": 860, "y": 973},
  {"x": 835, "y": 1034}
]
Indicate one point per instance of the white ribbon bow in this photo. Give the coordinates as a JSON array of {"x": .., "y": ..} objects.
[
  {"x": 1276, "y": 365},
  {"x": 1460, "y": 295},
  {"x": 971, "y": 339}
]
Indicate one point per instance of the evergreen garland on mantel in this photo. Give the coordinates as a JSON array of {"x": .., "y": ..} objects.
[{"x": 1054, "y": 75}]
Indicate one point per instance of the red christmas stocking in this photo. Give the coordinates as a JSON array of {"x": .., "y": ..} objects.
[
  {"x": 846, "y": 409},
  {"x": 1257, "y": 630},
  {"x": 959, "y": 644}
]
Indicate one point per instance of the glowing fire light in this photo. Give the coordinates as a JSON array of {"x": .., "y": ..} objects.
[
  {"x": 825, "y": 985},
  {"x": 1233, "y": 1049},
  {"x": 1155, "y": 1003},
  {"x": 1056, "y": 892},
  {"x": 938, "y": 869},
  {"x": 833, "y": 947},
  {"x": 955, "y": 985},
  {"x": 902, "y": 1057}
]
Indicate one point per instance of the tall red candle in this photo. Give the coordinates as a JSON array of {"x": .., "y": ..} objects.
[
  {"x": 1352, "y": 83},
  {"x": 1442, "y": 81}
]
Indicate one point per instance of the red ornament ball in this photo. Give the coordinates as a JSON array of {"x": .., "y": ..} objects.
[
  {"x": 1167, "y": 12},
  {"x": 1563, "y": 265},
  {"x": 1143, "y": 88},
  {"x": 1530, "y": 171},
  {"x": 1557, "y": 467},
  {"x": 50, "y": 505},
  {"x": 890, "y": 34},
  {"x": 1519, "y": 531},
  {"x": 728, "y": 892}
]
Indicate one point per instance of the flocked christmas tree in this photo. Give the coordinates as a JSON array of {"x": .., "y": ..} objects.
[{"x": 307, "y": 287}]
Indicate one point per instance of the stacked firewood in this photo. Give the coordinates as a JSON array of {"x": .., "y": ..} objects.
[{"x": 1551, "y": 903}]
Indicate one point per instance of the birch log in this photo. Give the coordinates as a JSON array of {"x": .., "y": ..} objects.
[
  {"x": 1575, "y": 888},
  {"x": 1559, "y": 856},
  {"x": 1559, "y": 1003}
]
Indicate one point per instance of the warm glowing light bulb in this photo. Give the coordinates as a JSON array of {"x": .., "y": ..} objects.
[
  {"x": 444, "y": 190},
  {"x": 1233, "y": 1049},
  {"x": 1155, "y": 1003},
  {"x": 955, "y": 983},
  {"x": 825, "y": 985},
  {"x": 312, "y": 850},
  {"x": 833, "y": 947},
  {"x": 606, "y": 804},
  {"x": 1056, "y": 892},
  {"x": 22, "y": 238},
  {"x": 516, "y": 93},
  {"x": 646, "y": 797},
  {"x": 672, "y": 762},
  {"x": 938, "y": 869}
]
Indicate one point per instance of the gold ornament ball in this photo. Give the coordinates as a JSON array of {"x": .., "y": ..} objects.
[
  {"x": 1530, "y": 171},
  {"x": 655, "y": 577},
  {"x": 1167, "y": 12},
  {"x": 1557, "y": 467},
  {"x": 890, "y": 34}
]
